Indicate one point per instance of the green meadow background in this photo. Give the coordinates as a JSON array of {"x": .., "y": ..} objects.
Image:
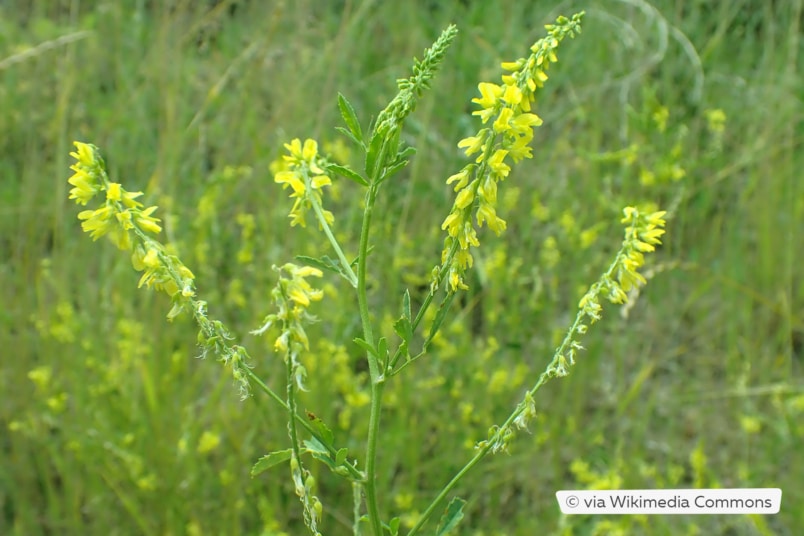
[{"x": 110, "y": 425}]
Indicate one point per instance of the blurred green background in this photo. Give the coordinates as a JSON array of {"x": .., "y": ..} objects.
[{"x": 110, "y": 425}]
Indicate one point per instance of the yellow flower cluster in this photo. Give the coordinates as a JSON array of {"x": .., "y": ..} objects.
[
  {"x": 509, "y": 108},
  {"x": 292, "y": 295},
  {"x": 120, "y": 213},
  {"x": 302, "y": 173},
  {"x": 642, "y": 235},
  {"x": 125, "y": 221}
]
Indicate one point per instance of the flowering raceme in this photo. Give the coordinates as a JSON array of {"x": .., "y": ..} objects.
[
  {"x": 302, "y": 173},
  {"x": 508, "y": 106},
  {"x": 122, "y": 217}
]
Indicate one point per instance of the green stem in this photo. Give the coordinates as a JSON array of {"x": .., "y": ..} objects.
[
  {"x": 294, "y": 437},
  {"x": 548, "y": 373},
  {"x": 422, "y": 310},
  {"x": 377, "y": 378},
  {"x": 348, "y": 272},
  {"x": 353, "y": 471},
  {"x": 452, "y": 483}
]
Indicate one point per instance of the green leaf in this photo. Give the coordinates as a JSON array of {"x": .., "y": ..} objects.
[
  {"x": 443, "y": 309},
  {"x": 406, "y": 305},
  {"x": 319, "y": 452},
  {"x": 393, "y": 170},
  {"x": 321, "y": 429},
  {"x": 351, "y": 136},
  {"x": 373, "y": 155},
  {"x": 403, "y": 329},
  {"x": 324, "y": 263},
  {"x": 452, "y": 516},
  {"x": 365, "y": 346},
  {"x": 406, "y": 153},
  {"x": 393, "y": 526},
  {"x": 368, "y": 252},
  {"x": 350, "y": 118},
  {"x": 382, "y": 348},
  {"x": 340, "y": 456},
  {"x": 349, "y": 173},
  {"x": 269, "y": 460}
]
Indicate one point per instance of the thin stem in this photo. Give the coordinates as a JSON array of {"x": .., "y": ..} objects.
[
  {"x": 357, "y": 497},
  {"x": 338, "y": 251},
  {"x": 291, "y": 383},
  {"x": 495, "y": 439},
  {"x": 377, "y": 379},
  {"x": 420, "y": 314},
  {"x": 353, "y": 471},
  {"x": 450, "y": 485}
]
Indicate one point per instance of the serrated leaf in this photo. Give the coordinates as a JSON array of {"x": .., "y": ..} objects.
[
  {"x": 349, "y": 173},
  {"x": 313, "y": 445},
  {"x": 269, "y": 460},
  {"x": 349, "y": 117},
  {"x": 365, "y": 346},
  {"x": 324, "y": 263},
  {"x": 402, "y": 328},
  {"x": 382, "y": 348},
  {"x": 452, "y": 516},
  {"x": 322, "y": 430}
]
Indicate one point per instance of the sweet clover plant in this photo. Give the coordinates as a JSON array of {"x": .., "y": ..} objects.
[{"x": 507, "y": 119}]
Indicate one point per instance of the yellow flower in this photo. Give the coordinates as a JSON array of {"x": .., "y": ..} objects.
[
  {"x": 85, "y": 154},
  {"x": 473, "y": 144},
  {"x": 114, "y": 192},
  {"x": 146, "y": 222},
  {"x": 85, "y": 186}
]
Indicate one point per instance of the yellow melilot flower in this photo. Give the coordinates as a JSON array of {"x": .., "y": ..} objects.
[
  {"x": 303, "y": 173},
  {"x": 114, "y": 192},
  {"x": 85, "y": 185},
  {"x": 85, "y": 154}
]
